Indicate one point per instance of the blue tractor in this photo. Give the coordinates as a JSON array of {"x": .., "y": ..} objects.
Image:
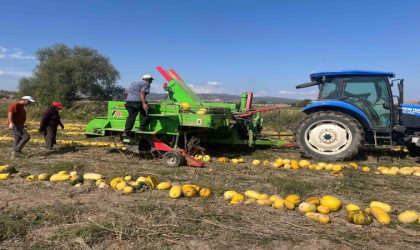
[{"x": 355, "y": 108}]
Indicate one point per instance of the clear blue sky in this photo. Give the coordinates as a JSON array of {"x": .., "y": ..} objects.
[{"x": 225, "y": 46}]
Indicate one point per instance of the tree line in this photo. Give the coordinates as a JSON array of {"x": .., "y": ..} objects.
[{"x": 69, "y": 74}]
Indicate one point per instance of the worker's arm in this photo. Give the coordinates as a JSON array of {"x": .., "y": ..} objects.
[
  {"x": 10, "y": 120},
  {"x": 143, "y": 100}
]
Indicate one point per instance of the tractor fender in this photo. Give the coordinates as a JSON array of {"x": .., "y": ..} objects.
[{"x": 341, "y": 106}]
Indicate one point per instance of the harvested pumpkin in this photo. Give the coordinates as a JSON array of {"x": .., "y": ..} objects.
[
  {"x": 30, "y": 178},
  {"x": 359, "y": 217},
  {"x": 366, "y": 169},
  {"x": 223, "y": 159},
  {"x": 151, "y": 181},
  {"x": 323, "y": 209},
  {"x": 128, "y": 189},
  {"x": 115, "y": 181},
  {"x": 205, "y": 192},
  {"x": 175, "y": 192},
  {"x": 333, "y": 203},
  {"x": 289, "y": 205},
  {"x": 234, "y": 161},
  {"x": 264, "y": 201},
  {"x": 237, "y": 198},
  {"x": 164, "y": 186},
  {"x": 43, "y": 177},
  {"x": 313, "y": 200},
  {"x": 93, "y": 176},
  {"x": 387, "y": 208},
  {"x": 121, "y": 185},
  {"x": 228, "y": 195},
  {"x": 380, "y": 215},
  {"x": 256, "y": 162},
  {"x": 274, "y": 197},
  {"x": 189, "y": 191},
  {"x": 59, "y": 177},
  {"x": 263, "y": 196},
  {"x": 408, "y": 216},
  {"x": 352, "y": 207},
  {"x": 252, "y": 194},
  {"x": 278, "y": 203},
  {"x": 306, "y": 207},
  {"x": 304, "y": 163},
  {"x": 293, "y": 198},
  {"x": 322, "y": 218}
]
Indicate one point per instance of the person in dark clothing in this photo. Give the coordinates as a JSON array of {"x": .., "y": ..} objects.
[
  {"x": 49, "y": 123},
  {"x": 136, "y": 103}
]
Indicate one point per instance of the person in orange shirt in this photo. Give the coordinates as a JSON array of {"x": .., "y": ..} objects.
[{"x": 16, "y": 118}]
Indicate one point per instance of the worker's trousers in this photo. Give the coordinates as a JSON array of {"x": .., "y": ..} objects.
[{"x": 133, "y": 109}]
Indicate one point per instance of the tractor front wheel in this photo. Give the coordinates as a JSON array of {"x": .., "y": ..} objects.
[
  {"x": 173, "y": 159},
  {"x": 329, "y": 136}
]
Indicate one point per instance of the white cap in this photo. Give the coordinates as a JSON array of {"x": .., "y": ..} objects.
[
  {"x": 148, "y": 77},
  {"x": 27, "y": 97}
]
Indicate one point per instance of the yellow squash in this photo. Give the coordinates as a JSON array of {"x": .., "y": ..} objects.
[
  {"x": 164, "y": 186},
  {"x": 387, "y": 208},
  {"x": 59, "y": 177},
  {"x": 252, "y": 194},
  {"x": 92, "y": 176},
  {"x": 408, "y": 217},
  {"x": 322, "y": 218},
  {"x": 380, "y": 215},
  {"x": 333, "y": 203},
  {"x": 175, "y": 192},
  {"x": 205, "y": 192}
]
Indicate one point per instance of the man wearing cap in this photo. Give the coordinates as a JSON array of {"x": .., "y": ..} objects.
[
  {"x": 49, "y": 123},
  {"x": 136, "y": 102},
  {"x": 16, "y": 118}
]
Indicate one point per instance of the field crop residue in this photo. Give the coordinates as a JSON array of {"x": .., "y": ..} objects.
[{"x": 46, "y": 215}]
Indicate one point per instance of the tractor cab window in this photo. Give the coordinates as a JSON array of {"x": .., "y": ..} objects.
[
  {"x": 369, "y": 93},
  {"x": 330, "y": 89}
]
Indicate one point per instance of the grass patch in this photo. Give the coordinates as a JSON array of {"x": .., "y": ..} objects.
[
  {"x": 13, "y": 225},
  {"x": 286, "y": 186},
  {"x": 91, "y": 234},
  {"x": 57, "y": 213}
]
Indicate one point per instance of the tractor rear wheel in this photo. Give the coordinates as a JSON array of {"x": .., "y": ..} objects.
[
  {"x": 329, "y": 136},
  {"x": 173, "y": 159}
]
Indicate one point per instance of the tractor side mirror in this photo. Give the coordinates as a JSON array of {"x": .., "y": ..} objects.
[{"x": 387, "y": 105}]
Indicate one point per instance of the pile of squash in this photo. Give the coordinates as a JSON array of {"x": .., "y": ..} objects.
[
  {"x": 319, "y": 209},
  {"x": 314, "y": 208},
  {"x": 187, "y": 190},
  {"x": 399, "y": 171},
  {"x": 334, "y": 168},
  {"x": 380, "y": 211},
  {"x": 127, "y": 184}
]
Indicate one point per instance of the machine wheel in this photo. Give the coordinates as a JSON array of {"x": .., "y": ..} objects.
[
  {"x": 329, "y": 136},
  {"x": 413, "y": 150},
  {"x": 173, "y": 159}
]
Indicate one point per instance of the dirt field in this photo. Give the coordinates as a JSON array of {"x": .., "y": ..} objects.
[{"x": 45, "y": 215}]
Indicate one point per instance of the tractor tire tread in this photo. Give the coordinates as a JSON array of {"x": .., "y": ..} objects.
[{"x": 358, "y": 137}]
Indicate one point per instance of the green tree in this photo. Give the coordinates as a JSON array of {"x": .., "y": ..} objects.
[
  {"x": 303, "y": 103},
  {"x": 69, "y": 74}
]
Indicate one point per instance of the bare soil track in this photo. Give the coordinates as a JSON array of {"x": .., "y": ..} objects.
[{"x": 45, "y": 215}]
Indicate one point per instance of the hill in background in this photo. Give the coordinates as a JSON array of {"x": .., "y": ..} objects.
[
  {"x": 230, "y": 98},
  {"x": 5, "y": 94}
]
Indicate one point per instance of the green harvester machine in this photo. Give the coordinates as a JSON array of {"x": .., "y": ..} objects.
[{"x": 181, "y": 124}]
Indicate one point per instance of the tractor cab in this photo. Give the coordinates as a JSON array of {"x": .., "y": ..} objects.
[
  {"x": 353, "y": 108},
  {"x": 367, "y": 92}
]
